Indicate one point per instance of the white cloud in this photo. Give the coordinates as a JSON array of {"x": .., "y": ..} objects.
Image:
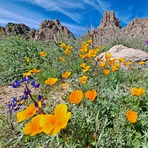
[
  {"x": 99, "y": 5},
  {"x": 66, "y": 7},
  {"x": 10, "y": 15}
]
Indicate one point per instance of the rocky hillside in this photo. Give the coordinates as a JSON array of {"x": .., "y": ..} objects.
[
  {"x": 48, "y": 30},
  {"x": 110, "y": 30}
]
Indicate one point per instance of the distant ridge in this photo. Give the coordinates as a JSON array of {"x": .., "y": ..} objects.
[
  {"x": 48, "y": 30},
  {"x": 109, "y": 30}
]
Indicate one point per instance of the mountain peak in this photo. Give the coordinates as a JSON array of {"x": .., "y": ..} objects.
[{"x": 109, "y": 20}]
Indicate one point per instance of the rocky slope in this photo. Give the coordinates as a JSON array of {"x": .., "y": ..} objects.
[
  {"x": 110, "y": 30},
  {"x": 48, "y": 30}
]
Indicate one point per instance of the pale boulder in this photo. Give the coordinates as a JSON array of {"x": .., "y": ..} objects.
[{"x": 129, "y": 54}]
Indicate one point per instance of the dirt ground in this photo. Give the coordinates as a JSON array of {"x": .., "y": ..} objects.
[{"x": 7, "y": 93}]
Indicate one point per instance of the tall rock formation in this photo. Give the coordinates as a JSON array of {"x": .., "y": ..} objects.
[
  {"x": 110, "y": 30},
  {"x": 52, "y": 30},
  {"x": 109, "y": 21}
]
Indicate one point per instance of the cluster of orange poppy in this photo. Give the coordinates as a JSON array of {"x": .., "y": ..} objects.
[
  {"x": 53, "y": 123},
  {"x": 47, "y": 123}
]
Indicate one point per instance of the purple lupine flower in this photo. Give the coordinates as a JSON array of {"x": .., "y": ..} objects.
[
  {"x": 27, "y": 92},
  {"x": 146, "y": 43},
  {"x": 16, "y": 84},
  {"x": 9, "y": 106},
  {"x": 40, "y": 97},
  {"x": 14, "y": 101},
  {"x": 75, "y": 48},
  {"x": 15, "y": 109},
  {"x": 26, "y": 79},
  {"x": 33, "y": 83},
  {"x": 25, "y": 97}
]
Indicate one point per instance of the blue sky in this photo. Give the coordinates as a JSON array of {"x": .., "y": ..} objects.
[{"x": 77, "y": 15}]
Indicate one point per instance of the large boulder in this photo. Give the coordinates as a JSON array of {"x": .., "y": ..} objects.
[{"x": 129, "y": 54}]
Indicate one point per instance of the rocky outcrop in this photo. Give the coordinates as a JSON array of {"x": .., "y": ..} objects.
[
  {"x": 137, "y": 27},
  {"x": 13, "y": 28},
  {"x": 110, "y": 30},
  {"x": 109, "y": 21},
  {"x": 129, "y": 54},
  {"x": 2, "y": 29},
  {"x": 52, "y": 30},
  {"x": 48, "y": 30}
]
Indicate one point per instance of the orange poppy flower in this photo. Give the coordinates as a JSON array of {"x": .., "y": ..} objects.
[
  {"x": 36, "y": 71},
  {"x": 52, "y": 124},
  {"x": 42, "y": 53},
  {"x": 62, "y": 59},
  {"x": 102, "y": 65},
  {"x": 34, "y": 126},
  {"x": 76, "y": 96},
  {"x": 66, "y": 74},
  {"x": 106, "y": 71},
  {"x": 25, "y": 114},
  {"x": 131, "y": 116},
  {"x": 114, "y": 68},
  {"x": 83, "y": 79},
  {"x": 137, "y": 91},
  {"x": 108, "y": 55},
  {"x": 91, "y": 94},
  {"x": 63, "y": 45},
  {"x": 51, "y": 81},
  {"x": 26, "y": 74},
  {"x": 86, "y": 68}
]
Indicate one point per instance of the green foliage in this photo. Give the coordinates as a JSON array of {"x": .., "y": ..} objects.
[
  {"x": 98, "y": 123},
  {"x": 137, "y": 43}
]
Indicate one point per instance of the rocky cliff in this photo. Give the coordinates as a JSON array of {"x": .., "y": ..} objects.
[{"x": 110, "y": 30}]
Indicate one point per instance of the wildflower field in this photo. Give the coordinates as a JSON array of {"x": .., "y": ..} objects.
[{"x": 79, "y": 101}]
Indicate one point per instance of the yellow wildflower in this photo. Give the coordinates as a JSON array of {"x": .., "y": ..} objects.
[
  {"x": 27, "y": 59},
  {"x": 34, "y": 126},
  {"x": 66, "y": 74},
  {"x": 62, "y": 59},
  {"x": 86, "y": 68},
  {"x": 63, "y": 45},
  {"x": 27, "y": 74},
  {"x": 25, "y": 114},
  {"x": 102, "y": 65},
  {"x": 51, "y": 81},
  {"x": 42, "y": 53},
  {"x": 52, "y": 124},
  {"x": 83, "y": 79},
  {"x": 141, "y": 63},
  {"x": 89, "y": 41},
  {"x": 137, "y": 91},
  {"x": 108, "y": 55}
]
